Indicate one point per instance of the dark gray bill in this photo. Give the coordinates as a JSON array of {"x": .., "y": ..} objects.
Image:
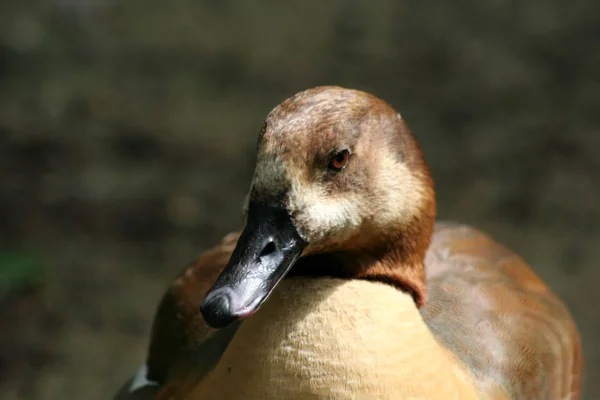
[{"x": 266, "y": 250}]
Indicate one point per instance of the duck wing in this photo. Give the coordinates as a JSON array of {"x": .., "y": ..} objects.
[
  {"x": 489, "y": 308},
  {"x": 183, "y": 348}
]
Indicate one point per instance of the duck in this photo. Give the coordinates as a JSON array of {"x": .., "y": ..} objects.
[{"x": 343, "y": 284}]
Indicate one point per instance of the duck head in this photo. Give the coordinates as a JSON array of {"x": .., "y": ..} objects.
[{"x": 341, "y": 189}]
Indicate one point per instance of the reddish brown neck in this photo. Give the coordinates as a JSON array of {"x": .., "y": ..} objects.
[{"x": 397, "y": 261}]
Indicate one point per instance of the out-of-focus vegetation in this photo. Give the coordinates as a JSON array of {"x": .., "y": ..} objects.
[
  {"x": 127, "y": 132},
  {"x": 18, "y": 271}
]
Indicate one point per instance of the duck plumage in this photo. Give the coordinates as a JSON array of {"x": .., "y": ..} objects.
[{"x": 352, "y": 260}]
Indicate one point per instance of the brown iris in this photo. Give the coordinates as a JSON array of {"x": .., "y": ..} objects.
[{"x": 339, "y": 161}]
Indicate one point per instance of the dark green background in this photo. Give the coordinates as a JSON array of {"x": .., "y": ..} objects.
[{"x": 127, "y": 132}]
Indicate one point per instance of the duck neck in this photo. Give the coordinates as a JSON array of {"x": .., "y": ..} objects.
[
  {"x": 338, "y": 339},
  {"x": 393, "y": 263}
]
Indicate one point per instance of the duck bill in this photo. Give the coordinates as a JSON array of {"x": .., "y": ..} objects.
[{"x": 266, "y": 250}]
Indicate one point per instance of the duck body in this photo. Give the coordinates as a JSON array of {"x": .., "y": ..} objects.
[
  {"x": 330, "y": 346},
  {"x": 342, "y": 287},
  {"x": 316, "y": 333}
]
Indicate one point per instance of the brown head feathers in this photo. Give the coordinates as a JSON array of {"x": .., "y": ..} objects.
[{"x": 372, "y": 220}]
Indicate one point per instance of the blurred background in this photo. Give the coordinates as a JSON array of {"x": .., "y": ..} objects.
[{"x": 127, "y": 133}]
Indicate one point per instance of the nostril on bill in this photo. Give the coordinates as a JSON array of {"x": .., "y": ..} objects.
[{"x": 268, "y": 249}]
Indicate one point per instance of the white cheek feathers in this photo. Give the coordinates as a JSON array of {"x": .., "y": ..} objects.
[
  {"x": 398, "y": 193},
  {"x": 319, "y": 215},
  {"x": 316, "y": 213}
]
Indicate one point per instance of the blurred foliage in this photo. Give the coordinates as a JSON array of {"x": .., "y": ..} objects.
[
  {"x": 127, "y": 132},
  {"x": 18, "y": 271}
]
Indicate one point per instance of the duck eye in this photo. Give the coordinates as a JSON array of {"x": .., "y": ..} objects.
[{"x": 339, "y": 161}]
